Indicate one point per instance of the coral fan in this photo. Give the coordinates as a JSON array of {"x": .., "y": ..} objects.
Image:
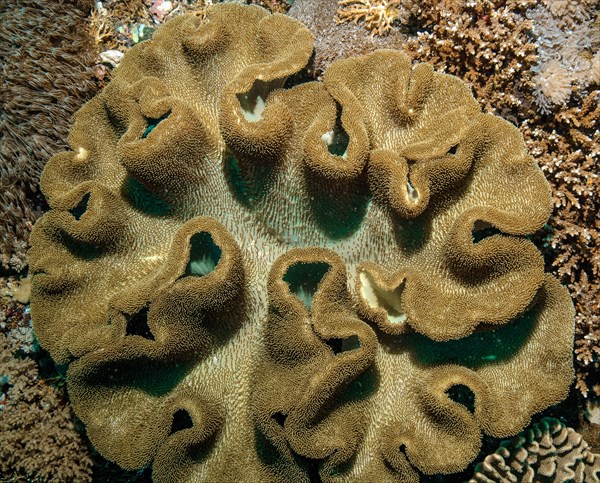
[
  {"x": 548, "y": 451},
  {"x": 46, "y": 76},
  {"x": 257, "y": 278}
]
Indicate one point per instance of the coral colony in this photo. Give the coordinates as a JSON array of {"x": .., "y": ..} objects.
[
  {"x": 273, "y": 282},
  {"x": 312, "y": 242}
]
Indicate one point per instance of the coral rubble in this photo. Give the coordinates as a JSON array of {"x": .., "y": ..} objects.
[{"x": 255, "y": 277}]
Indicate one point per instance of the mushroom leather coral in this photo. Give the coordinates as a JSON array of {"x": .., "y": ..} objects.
[{"x": 255, "y": 277}]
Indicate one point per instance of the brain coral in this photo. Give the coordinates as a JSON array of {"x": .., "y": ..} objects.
[
  {"x": 548, "y": 451},
  {"x": 257, "y": 277}
]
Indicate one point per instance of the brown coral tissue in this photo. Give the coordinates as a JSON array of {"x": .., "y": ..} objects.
[
  {"x": 45, "y": 77},
  {"x": 254, "y": 277}
]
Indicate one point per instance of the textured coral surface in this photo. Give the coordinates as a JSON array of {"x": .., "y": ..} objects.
[
  {"x": 255, "y": 278},
  {"x": 548, "y": 451},
  {"x": 45, "y": 60}
]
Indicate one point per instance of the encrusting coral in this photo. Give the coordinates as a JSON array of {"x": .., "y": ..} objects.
[
  {"x": 46, "y": 58},
  {"x": 256, "y": 278},
  {"x": 548, "y": 451}
]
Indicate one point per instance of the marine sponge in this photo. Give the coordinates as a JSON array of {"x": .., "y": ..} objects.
[{"x": 258, "y": 279}]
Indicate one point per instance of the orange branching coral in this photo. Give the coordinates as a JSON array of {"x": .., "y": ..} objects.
[
  {"x": 378, "y": 16},
  {"x": 101, "y": 30},
  {"x": 255, "y": 277}
]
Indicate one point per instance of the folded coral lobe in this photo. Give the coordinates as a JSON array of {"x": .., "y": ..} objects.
[{"x": 258, "y": 277}]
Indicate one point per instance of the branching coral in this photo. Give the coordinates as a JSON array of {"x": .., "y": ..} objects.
[
  {"x": 45, "y": 78},
  {"x": 485, "y": 43},
  {"x": 548, "y": 451},
  {"x": 571, "y": 11},
  {"x": 568, "y": 149},
  {"x": 255, "y": 278},
  {"x": 378, "y": 16}
]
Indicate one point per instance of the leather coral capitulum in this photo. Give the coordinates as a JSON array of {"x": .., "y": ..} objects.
[{"x": 255, "y": 277}]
